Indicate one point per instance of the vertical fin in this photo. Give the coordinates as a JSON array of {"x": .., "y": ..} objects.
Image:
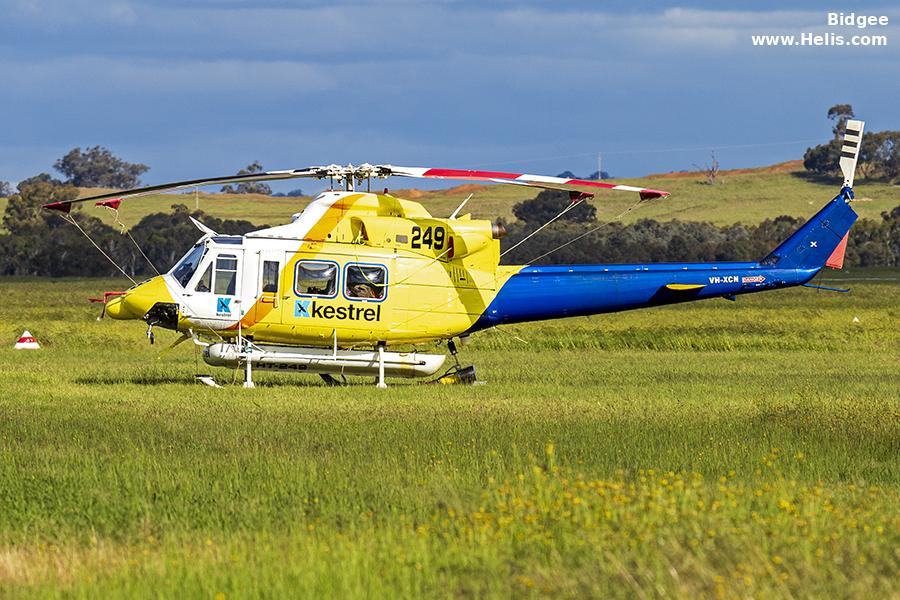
[{"x": 850, "y": 149}]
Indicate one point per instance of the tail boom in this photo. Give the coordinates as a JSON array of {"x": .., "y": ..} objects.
[
  {"x": 552, "y": 292},
  {"x": 536, "y": 293}
]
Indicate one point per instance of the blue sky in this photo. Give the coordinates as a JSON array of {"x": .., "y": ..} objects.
[{"x": 201, "y": 88}]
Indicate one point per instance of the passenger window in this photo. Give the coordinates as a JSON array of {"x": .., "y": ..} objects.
[
  {"x": 205, "y": 283},
  {"x": 226, "y": 274},
  {"x": 315, "y": 278},
  {"x": 365, "y": 282},
  {"x": 270, "y": 276}
]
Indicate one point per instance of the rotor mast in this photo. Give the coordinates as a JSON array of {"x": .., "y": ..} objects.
[{"x": 351, "y": 177}]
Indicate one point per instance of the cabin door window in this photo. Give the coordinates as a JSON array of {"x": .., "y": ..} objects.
[
  {"x": 269, "y": 281},
  {"x": 268, "y": 286},
  {"x": 269, "y": 276}
]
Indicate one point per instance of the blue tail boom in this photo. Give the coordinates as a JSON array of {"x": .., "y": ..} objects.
[{"x": 549, "y": 292}]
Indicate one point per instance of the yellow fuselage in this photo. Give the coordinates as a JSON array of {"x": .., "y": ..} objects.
[{"x": 360, "y": 268}]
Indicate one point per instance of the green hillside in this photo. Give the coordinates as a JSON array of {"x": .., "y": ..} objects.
[{"x": 742, "y": 195}]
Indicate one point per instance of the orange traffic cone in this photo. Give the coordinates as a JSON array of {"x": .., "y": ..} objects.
[{"x": 27, "y": 342}]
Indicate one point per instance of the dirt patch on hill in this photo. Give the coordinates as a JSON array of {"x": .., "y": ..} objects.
[
  {"x": 787, "y": 166},
  {"x": 414, "y": 194}
]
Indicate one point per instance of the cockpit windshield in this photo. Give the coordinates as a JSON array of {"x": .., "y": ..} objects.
[{"x": 185, "y": 269}]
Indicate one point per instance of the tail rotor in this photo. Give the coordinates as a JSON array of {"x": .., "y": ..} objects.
[{"x": 850, "y": 150}]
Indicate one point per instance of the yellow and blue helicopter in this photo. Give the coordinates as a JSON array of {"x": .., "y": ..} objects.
[{"x": 357, "y": 272}]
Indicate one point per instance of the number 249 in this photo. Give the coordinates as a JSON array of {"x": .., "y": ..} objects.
[{"x": 431, "y": 237}]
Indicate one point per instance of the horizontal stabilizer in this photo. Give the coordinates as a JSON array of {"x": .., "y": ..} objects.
[{"x": 684, "y": 287}]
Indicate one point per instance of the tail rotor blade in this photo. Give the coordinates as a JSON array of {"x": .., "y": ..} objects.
[{"x": 850, "y": 150}]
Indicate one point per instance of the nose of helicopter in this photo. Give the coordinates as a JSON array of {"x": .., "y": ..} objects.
[{"x": 138, "y": 300}]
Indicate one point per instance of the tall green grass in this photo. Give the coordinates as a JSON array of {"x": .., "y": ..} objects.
[{"x": 718, "y": 448}]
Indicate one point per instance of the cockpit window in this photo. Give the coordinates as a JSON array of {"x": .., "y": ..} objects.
[
  {"x": 204, "y": 284},
  {"x": 184, "y": 270}
]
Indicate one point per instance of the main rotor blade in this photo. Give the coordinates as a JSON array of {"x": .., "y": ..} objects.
[
  {"x": 588, "y": 186},
  {"x": 581, "y": 186},
  {"x": 318, "y": 172}
]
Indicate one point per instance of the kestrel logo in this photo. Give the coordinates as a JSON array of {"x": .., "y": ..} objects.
[
  {"x": 223, "y": 306},
  {"x": 308, "y": 309}
]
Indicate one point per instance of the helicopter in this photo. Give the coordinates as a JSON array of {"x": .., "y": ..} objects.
[{"x": 358, "y": 272}]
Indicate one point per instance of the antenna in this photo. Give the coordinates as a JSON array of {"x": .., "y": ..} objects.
[
  {"x": 347, "y": 174},
  {"x": 850, "y": 150},
  {"x": 459, "y": 208}
]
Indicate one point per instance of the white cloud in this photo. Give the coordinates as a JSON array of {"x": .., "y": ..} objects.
[
  {"x": 56, "y": 14},
  {"x": 342, "y": 32},
  {"x": 673, "y": 28},
  {"x": 120, "y": 75}
]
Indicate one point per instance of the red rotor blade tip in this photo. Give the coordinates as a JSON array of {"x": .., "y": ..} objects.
[
  {"x": 651, "y": 194},
  {"x": 113, "y": 204},
  {"x": 60, "y": 206}
]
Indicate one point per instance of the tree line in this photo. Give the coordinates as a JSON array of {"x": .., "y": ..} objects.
[
  {"x": 40, "y": 242},
  {"x": 872, "y": 243},
  {"x": 98, "y": 167},
  {"x": 879, "y": 152}
]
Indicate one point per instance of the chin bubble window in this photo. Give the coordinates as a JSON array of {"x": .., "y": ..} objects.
[{"x": 365, "y": 282}]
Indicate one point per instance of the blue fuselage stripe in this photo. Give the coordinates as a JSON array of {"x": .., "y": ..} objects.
[{"x": 550, "y": 292}]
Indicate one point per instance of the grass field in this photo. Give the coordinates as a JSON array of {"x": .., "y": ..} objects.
[
  {"x": 744, "y": 449},
  {"x": 742, "y": 196}
]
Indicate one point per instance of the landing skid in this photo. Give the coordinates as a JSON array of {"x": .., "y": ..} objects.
[
  {"x": 206, "y": 380},
  {"x": 247, "y": 356},
  {"x": 456, "y": 375},
  {"x": 332, "y": 381}
]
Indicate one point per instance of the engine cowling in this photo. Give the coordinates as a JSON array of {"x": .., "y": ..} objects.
[
  {"x": 471, "y": 236},
  {"x": 444, "y": 238}
]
